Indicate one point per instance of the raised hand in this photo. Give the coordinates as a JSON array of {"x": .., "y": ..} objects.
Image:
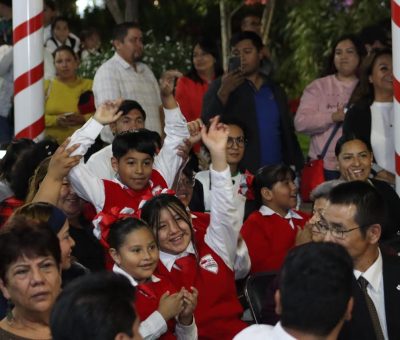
[
  {"x": 108, "y": 112},
  {"x": 190, "y": 303},
  {"x": 194, "y": 128},
  {"x": 215, "y": 140},
  {"x": 167, "y": 82},
  {"x": 62, "y": 162},
  {"x": 170, "y": 305},
  {"x": 229, "y": 82},
  {"x": 216, "y": 137}
]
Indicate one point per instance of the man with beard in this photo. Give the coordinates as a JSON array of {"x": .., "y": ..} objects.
[{"x": 125, "y": 76}]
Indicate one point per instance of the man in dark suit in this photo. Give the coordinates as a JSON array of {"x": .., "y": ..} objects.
[{"x": 353, "y": 218}]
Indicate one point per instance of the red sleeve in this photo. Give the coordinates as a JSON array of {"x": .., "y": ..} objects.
[
  {"x": 182, "y": 96},
  {"x": 257, "y": 243}
]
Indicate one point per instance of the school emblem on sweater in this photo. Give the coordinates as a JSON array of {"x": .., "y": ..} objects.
[{"x": 208, "y": 263}]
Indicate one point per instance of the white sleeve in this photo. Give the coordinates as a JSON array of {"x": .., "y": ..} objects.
[
  {"x": 167, "y": 162},
  {"x": 153, "y": 327},
  {"x": 99, "y": 163},
  {"x": 84, "y": 183},
  {"x": 242, "y": 263},
  {"x": 183, "y": 332},
  {"x": 223, "y": 231}
]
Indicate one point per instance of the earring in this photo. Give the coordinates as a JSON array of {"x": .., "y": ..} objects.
[{"x": 9, "y": 314}]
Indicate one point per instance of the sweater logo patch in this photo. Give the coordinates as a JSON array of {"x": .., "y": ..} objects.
[{"x": 208, "y": 263}]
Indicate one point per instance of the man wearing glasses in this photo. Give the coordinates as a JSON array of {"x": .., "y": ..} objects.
[{"x": 353, "y": 218}]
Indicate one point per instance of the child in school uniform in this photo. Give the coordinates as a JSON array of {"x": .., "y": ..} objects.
[
  {"x": 271, "y": 231},
  {"x": 139, "y": 172},
  {"x": 165, "y": 313},
  {"x": 204, "y": 258},
  {"x": 61, "y": 35},
  {"x": 234, "y": 152}
]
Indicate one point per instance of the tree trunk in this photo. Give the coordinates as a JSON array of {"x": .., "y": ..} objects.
[
  {"x": 224, "y": 32},
  {"x": 267, "y": 20},
  {"x": 132, "y": 10},
  {"x": 115, "y": 11}
]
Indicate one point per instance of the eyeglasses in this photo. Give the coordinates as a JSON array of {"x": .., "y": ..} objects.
[
  {"x": 323, "y": 228},
  {"x": 239, "y": 141}
]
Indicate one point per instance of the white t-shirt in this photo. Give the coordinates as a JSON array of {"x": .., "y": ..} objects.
[{"x": 382, "y": 135}]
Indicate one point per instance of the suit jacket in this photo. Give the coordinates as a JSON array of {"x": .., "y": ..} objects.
[
  {"x": 241, "y": 109},
  {"x": 360, "y": 326}
]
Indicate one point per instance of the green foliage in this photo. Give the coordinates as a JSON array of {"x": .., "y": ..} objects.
[
  {"x": 303, "y": 33},
  {"x": 159, "y": 56},
  {"x": 89, "y": 66},
  {"x": 165, "y": 54}
]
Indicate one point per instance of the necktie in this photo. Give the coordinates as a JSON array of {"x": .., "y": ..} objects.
[
  {"x": 187, "y": 268},
  {"x": 371, "y": 308}
]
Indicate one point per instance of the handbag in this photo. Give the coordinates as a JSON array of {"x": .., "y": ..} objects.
[{"x": 312, "y": 174}]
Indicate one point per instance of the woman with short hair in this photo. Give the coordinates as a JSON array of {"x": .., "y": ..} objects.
[{"x": 30, "y": 278}]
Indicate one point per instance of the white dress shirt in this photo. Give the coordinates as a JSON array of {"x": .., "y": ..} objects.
[
  {"x": 155, "y": 326},
  {"x": 118, "y": 79},
  {"x": 267, "y": 211},
  {"x": 223, "y": 232},
  {"x": 264, "y": 332},
  {"x": 375, "y": 290},
  {"x": 240, "y": 200},
  {"x": 167, "y": 162}
]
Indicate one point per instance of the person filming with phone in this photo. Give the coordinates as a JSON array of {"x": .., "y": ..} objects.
[{"x": 246, "y": 95}]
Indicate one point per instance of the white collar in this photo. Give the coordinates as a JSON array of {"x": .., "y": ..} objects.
[
  {"x": 118, "y": 270},
  {"x": 373, "y": 274},
  {"x": 168, "y": 260},
  {"x": 267, "y": 211},
  {"x": 126, "y": 65},
  {"x": 279, "y": 333}
]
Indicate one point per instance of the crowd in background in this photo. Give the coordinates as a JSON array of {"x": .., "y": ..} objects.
[{"x": 187, "y": 186}]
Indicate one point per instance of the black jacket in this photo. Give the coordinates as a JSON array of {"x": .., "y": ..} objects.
[
  {"x": 241, "y": 109},
  {"x": 360, "y": 326},
  {"x": 357, "y": 121}
]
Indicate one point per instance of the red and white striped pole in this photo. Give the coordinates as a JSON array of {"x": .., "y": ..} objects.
[
  {"x": 396, "y": 84},
  {"x": 28, "y": 68}
]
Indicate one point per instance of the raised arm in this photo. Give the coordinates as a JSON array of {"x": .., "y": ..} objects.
[
  {"x": 167, "y": 162},
  {"x": 86, "y": 185},
  {"x": 222, "y": 234},
  {"x": 60, "y": 165}
]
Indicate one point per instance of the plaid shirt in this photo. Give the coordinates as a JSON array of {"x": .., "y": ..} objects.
[{"x": 116, "y": 78}]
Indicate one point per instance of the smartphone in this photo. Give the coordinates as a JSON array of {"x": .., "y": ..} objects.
[{"x": 234, "y": 64}]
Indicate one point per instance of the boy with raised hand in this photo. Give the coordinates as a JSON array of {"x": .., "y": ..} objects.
[{"x": 140, "y": 172}]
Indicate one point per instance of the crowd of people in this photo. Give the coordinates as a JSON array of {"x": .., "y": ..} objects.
[{"x": 150, "y": 203}]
